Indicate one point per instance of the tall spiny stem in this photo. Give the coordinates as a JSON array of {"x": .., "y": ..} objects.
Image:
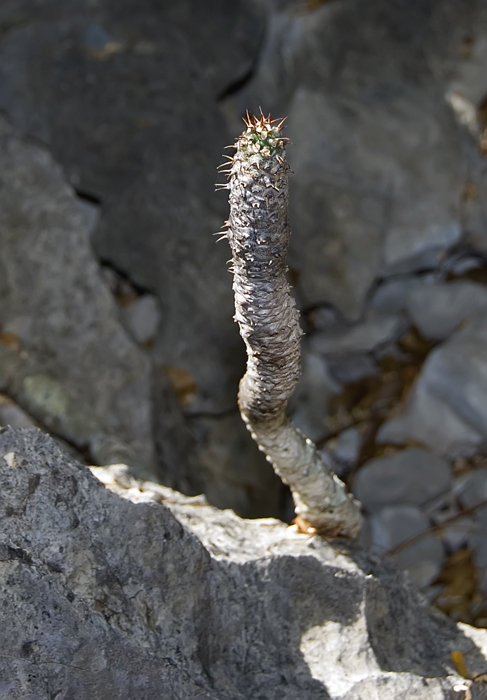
[{"x": 258, "y": 233}]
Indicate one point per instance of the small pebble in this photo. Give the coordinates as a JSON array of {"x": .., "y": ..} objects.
[
  {"x": 437, "y": 310},
  {"x": 457, "y": 534},
  {"x": 142, "y": 318},
  {"x": 91, "y": 215},
  {"x": 412, "y": 476},
  {"x": 309, "y": 406},
  {"x": 474, "y": 488},
  {"x": 424, "y": 557},
  {"x": 345, "y": 449},
  {"x": 352, "y": 367},
  {"x": 477, "y": 540},
  {"x": 13, "y": 415}
]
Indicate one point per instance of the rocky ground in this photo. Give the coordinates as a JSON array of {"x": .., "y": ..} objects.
[{"x": 116, "y": 330}]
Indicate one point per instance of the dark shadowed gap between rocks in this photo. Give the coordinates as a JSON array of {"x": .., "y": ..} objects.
[
  {"x": 238, "y": 84},
  {"x": 89, "y": 197}
]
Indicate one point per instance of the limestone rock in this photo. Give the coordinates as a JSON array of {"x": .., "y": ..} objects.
[
  {"x": 11, "y": 414},
  {"x": 64, "y": 356},
  {"x": 392, "y": 526},
  {"x": 309, "y": 404},
  {"x": 467, "y": 87},
  {"x": 437, "y": 310},
  {"x": 389, "y": 299},
  {"x": 474, "y": 488},
  {"x": 125, "y": 96},
  {"x": 104, "y": 598},
  {"x": 448, "y": 403},
  {"x": 411, "y": 476},
  {"x": 345, "y": 450},
  {"x": 377, "y": 155},
  {"x": 387, "y": 179},
  {"x": 371, "y": 334},
  {"x": 142, "y": 318}
]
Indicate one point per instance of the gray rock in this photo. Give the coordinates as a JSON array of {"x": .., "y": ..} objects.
[
  {"x": 325, "y": 318},
  {"x": 472, "y": 495},
  {"x": 77, "y": 372},
  {"x": 432, "y": 422},
  {"x": 11, "y": 414},
  {"x": 234, "y": 473},
  {"x": 113, "y": 599},
  {"x": 467, "y": 84},
  {"x": 448, "y": 405},
  {"x": 468, "y": 75},
  {"x": 437, "y": 310},
  {"x": 478, "y": 542},
  {"x": 371, "y": 334},
  {"x": 340, "y": 226},
  {"x": 474, "y": 489},
  {"x": 389, "y": 299},
  {"x": 127, "y": 101},
  {"x": 474, "y": 209},
  {"x": 459, "y": 534},
  {"x": 392, "y": 526},
  {"x": 445, "y": 512},
  {"x": 345, "y": 450},
  {"x": 91, "y": 213},
  {"x": 70, "y": 364},
  {"x": 309, "y": 405},
  {"x": 351, "y": 367},
  {"x": 463, "y": 261},
  {"x": 142, "y": 318},
  {"x": 377, "y": 155},
  {"x": 411, "y": 476},
  {"x": 212, "y": 454}
]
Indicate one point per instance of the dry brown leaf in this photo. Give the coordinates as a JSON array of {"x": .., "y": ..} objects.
[
  {"x": 460, "y": 665},
  {"x": 470, "y": 192},
  {"x": 459, "y": 580},
  {"x": 466, "y": 47},
  {"x": 183, "y": 384},
  {"x": 11, "y": 340}
]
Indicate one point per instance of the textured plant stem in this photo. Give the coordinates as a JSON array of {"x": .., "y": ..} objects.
[{"x": 258, "y": 233}]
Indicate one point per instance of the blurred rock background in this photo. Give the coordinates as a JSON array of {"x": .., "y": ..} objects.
[{"x": 116, "y": 331}]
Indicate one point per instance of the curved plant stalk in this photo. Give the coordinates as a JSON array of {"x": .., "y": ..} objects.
[{"x": 258, "y": 233}]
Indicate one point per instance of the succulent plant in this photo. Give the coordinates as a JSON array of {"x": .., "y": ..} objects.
[{"x": 258, "y": 232}]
